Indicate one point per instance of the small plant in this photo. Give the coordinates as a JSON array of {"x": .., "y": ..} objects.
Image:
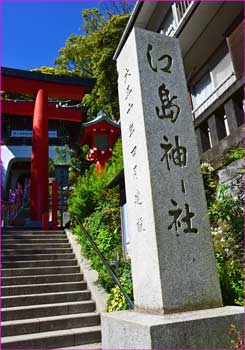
[
  {"x": 210, "y": 179},
  {"x": 226, "y": 218},
  {"x": 116, "y": 300},
  {"x": 234, "y": 154}
]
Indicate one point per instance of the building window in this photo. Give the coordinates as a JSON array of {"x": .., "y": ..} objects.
[
  {"x": 216, "y": 77},
  {"x": 221, "y": 69},
  {"x": 202, "y": 90}
]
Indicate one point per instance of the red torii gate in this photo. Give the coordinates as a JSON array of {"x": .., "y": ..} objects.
[{"x": 42, "y": 86}]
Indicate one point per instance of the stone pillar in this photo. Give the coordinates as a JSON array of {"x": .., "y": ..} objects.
[
  {"x": 39, "y": 161},
  {"x": 167, "y": 211},
  {"x": 172, "y": 256},
  {"x": 234, "y": 115},
  {"x": 217, "y": 129}
]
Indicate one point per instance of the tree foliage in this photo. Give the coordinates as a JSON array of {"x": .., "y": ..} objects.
[
  {"x": 112, "y": 8},
  {"x": 91, "y": 55},
  {"x": 55, "y": 71}
]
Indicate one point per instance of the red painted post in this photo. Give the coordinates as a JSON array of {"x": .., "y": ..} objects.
[
  {"x": 45, "y": 217},
  {"x": 54, "y": 205},
  {"x": 39, "y": 160}
]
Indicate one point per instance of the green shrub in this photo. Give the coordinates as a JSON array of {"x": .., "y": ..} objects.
[
  {"x": 234, "y": 154},
  {"x": 210, "y": 180},
  {"x": 88, "y": 191},
  {"x": 97, "y": 208},
  {"x": 226, "y": 219},
  {"x": 116, "y": 300}
]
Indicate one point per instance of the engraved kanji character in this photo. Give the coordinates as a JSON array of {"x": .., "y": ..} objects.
[
  {"x": 187, "y": 220},
  {"x": 139, "y": 225},
  {"x": 133, "y": 152},
  {"x": 168, "y": 61},
  {"x": 178, "y": 154},
  {"x": 177, "y": 220},
  {"x": 131, "y": 129},
  {"x": 176, "y": 214},
  {"x": 170, "y": 110},
  {"x": 167, "y": 147},
  {"x": 126, "y": 75},
  {"x": 128, "y": 92},
  {"x": 135, "y": 172},
  {"x": 137, "y": 200},
  {"x": 183, "y": 186},
  {"x": 130, "y": 105}
]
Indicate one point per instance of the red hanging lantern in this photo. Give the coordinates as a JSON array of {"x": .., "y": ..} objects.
[{"x": 100, "y": 134}]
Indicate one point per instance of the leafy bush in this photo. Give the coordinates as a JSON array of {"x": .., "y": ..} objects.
[
  {"x": 210, "y": 179},
  {"x": 116, "y": 300},
  {"x": 89, "y": 189},
  {"x": 226, "y": 218},
  {"x": 97, "y": 208},
  {"x": 234, "y": 154}
]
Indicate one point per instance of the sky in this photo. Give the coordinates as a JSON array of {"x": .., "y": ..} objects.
[{"x": 33, "y": 31}]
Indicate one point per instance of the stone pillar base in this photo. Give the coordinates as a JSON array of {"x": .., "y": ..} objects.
[{"x": 196, "y": 329}]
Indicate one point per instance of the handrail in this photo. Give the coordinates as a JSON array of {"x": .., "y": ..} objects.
[
  {"x": 109, "y": 269},
  {"x": 179, "y": 10}
]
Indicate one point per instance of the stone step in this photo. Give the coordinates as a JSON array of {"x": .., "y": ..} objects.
[
  {"x": 39, "y": 279},
  {"x": 47, "y": 298},
  {"x": 34, "y": 251},
  {"x": 43, "y": 288},
  {"x": 51, "y": 323},
  {"x": 49, "y": 340},
  {"x": 38, "y": 257},
  {"x": 20, "y": 240},
  {"x": 32, "y": 237},
  {"x": 34, "y": 246},
  {"x": 40, "y": 271},
  {"x": 38, "y": 263},
  {"x": 33, "y": 232},
  {"x": 43, "y": 294},
  {"x": 45, "y": 310}
]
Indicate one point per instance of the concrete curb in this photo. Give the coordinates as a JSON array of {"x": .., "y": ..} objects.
[{"x": 98, "y": 294}]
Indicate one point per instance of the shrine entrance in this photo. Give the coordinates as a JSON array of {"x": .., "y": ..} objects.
[{"x": 44, "y": 88}]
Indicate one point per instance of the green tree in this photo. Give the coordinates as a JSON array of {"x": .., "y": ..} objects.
[
  {"x": 56, "y": 71},
  {"x": 91, "y": 55},
  {"x": 112, "y": 8}
]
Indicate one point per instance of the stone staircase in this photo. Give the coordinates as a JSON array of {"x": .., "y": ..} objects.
[{"x": 45, "y": 301}]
